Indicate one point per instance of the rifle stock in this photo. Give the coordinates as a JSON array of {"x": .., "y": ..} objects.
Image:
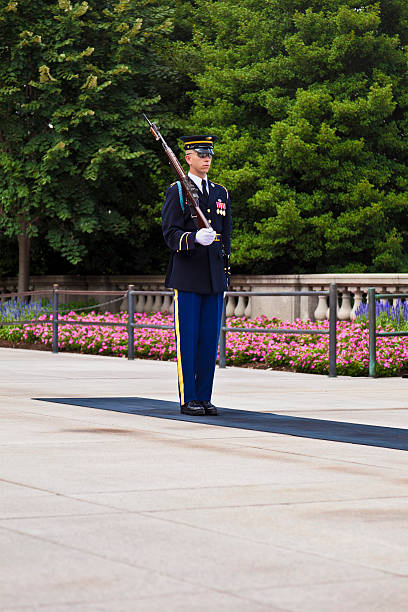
[{"x": 191, "y": 198}]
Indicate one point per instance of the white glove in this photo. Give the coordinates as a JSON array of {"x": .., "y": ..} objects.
[{"x": 205, "y": 236}]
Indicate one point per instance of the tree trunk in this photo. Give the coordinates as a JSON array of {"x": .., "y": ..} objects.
[{"x": 24, "y": 244}]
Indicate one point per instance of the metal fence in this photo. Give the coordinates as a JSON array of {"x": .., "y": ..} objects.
[
  {"x": 56, "y": 322},
  {"x": 131, "y": 317},
  {"x": 373, "y": 334},
  {"x": 332, "y": 294},
  {"x": 131, "y": 325}
]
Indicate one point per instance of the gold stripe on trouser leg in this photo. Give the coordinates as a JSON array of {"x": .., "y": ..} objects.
[{"x": 179, "y": 366}]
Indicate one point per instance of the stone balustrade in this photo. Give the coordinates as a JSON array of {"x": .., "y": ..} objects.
[{"x": 352, "y": 291}]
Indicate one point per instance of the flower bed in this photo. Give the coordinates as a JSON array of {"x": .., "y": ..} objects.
[
  {"x": 101, "y": 340},
  {"x": 310, "y": 353},
  {"x": 298, "y": 353}
]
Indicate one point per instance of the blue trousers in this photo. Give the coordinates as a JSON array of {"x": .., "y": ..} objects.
[{"x": 197, "y": 321}]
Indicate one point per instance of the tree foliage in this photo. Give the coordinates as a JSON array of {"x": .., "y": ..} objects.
[
  {"x": 76, "y": 159},
  {"x": 310, "y": 101}
]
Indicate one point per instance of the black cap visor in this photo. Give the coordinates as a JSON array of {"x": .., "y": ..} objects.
[{"x": 202, "y": 151}]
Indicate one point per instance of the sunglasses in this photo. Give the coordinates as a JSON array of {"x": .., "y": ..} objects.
[{"x": 204, "y": 155}]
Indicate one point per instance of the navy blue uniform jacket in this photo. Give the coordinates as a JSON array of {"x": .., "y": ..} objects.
[{"x": 194, "y": 267}]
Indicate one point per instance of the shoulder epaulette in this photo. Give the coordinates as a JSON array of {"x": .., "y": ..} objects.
[{"x": 219, "y": 185}]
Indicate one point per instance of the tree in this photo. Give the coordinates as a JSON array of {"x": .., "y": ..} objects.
[
  {"x": 9, "y": 256},
  {"x": 74, "y": 80},
  {"x": 310, "y": 101}
]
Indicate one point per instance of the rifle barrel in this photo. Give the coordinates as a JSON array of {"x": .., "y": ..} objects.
[{"x": 199, "y": 217}]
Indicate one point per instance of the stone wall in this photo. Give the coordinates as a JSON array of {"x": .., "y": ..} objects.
[{"x": 352, "y": 290}]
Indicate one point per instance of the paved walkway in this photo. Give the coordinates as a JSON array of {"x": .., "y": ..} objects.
[{"x": 294, "y": 499}]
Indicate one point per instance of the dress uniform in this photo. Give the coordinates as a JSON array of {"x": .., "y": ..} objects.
[{"x": 197, "y": 273}]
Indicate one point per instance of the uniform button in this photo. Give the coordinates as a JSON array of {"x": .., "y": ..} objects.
[
  {"x": 208, "y": 209},
  {"x": 209, "y": 220}
]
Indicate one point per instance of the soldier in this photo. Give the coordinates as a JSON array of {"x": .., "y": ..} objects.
[{"x": 198, "y": 272}]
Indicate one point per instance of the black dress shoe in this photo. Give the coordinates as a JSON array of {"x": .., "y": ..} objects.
[
  {"x": 192, "y": 408},
  {"x": 209, "y": 408}
]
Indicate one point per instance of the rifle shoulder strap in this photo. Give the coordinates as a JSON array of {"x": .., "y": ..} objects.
[
  {"x": 192, "y": 210},
  {"x": 180, "y": 190}
]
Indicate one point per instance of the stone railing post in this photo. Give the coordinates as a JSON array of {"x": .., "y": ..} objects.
[
  {"x": 157, "y": 303},
  {"x": 344, "y": 312},
  {"x": 140, "y": 303},
  {"x": 248, "y": 308},
  {"x": 230, "y": 307},
  {"x": 166, "y": 303},
  {"x": 358, "y": 300},
  {"x": 148, "y": 306},
  {"x": 321, "y": 311},
  {"x": 240, "y": 307}
]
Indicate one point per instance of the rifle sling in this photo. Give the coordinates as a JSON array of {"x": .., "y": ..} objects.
[{"x": 192, "y": 209}]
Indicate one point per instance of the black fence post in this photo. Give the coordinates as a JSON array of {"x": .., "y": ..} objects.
[
  {"x": 55, "y": 318},
  {"x": 333, "y": 330},
  {"x": 223, "y": 336},
  {"x": 131, "y": 320},
  {"x": 372, "y": 334}
]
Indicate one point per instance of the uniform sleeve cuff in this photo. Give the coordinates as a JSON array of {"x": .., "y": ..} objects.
[{"x": 191, "y": 241}]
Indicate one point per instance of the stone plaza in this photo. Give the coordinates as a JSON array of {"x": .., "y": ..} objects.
[{"x": 293, "y": 499}]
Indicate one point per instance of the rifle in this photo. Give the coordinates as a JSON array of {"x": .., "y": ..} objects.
[{"x": 189, "y": 189}]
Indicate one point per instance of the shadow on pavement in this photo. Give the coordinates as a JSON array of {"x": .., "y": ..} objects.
[{"x": 336, "y": 431}]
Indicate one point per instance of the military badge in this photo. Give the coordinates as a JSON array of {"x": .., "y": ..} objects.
[{"x": 220, "y": 207}]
